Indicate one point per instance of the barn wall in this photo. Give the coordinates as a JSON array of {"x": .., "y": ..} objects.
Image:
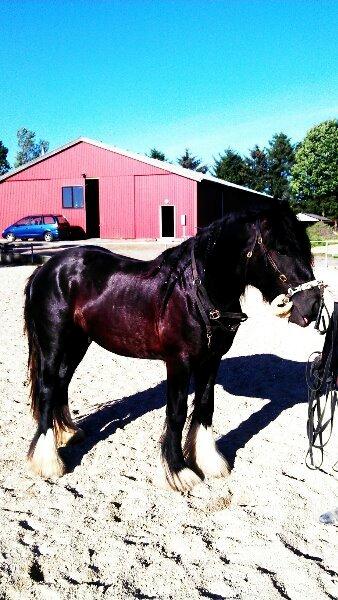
[
  {"x": 38, "y": 188},
  {"x": 130, "y": 193},
  {"x": 154, "y": 191},
  {"x": 21, "y": 198},
  {"x": 85, "y": 158},
  {"x": 215, "y": 199},
  {"x": 117, "y": 207}
]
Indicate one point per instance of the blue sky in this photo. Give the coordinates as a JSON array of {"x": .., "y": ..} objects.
[{"x": 171, "y": 74}]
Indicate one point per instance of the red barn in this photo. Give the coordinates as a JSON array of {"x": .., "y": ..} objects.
[{"x": 113, "y": 193}]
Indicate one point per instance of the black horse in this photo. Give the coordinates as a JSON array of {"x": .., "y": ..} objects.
[{"x": 182, "y": 307}]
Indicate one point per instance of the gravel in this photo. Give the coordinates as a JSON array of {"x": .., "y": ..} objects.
[{"x": 105, "y": 531}]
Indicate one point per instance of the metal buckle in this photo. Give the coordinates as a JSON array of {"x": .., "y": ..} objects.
[
  {"x": 214, "y": 314},
  {"x": 283, "y": 278}
]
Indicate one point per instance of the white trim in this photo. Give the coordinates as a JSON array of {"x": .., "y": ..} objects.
[
  {"x": 167, "y": 237},
  {"x": 159, "y": 164}
]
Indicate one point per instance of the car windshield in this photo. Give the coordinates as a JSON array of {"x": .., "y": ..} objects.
[{"x": 25, "y": 221}]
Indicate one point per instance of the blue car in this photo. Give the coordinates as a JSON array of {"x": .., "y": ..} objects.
[{"x": 38, "y": 227}]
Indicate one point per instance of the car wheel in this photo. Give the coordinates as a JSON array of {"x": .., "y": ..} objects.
[
  {"x": 48, "y": 236},
  {"x": 10, "y": 237}
]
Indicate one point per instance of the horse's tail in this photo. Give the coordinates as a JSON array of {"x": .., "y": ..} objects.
[{"x": 33, "y": 348}]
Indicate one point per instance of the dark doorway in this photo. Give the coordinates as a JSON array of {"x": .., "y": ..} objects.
[
  {"x": 92, "y": 208},
  {"x": 167, "y": 221}
]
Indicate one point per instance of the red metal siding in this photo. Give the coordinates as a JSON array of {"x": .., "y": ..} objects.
[
  {"x": 85, "y": 158},
  {"x": 117, "y": 207},
  {"x": 155, "y": 191},
  {"x": 21, "y": 198},
  {"x": 130, "y": 192}
]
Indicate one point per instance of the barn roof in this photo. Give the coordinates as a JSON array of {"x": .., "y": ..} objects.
[
  {"x": 310, "y": 217},
  {"x": 166, "y": 166}
]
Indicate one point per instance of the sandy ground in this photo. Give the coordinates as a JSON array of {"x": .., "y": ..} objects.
[{"x": 105, "y": 531}]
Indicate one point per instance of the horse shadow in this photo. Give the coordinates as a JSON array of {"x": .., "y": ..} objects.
[
  {"x": 108, "y": 417},
  {"x": 267, "y": 376},
  {"x": 281, "y": 381}
]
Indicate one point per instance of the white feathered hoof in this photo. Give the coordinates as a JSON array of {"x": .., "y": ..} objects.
[
  {"x": 43, "y": 457},
  {"x": 201, "y": 453},
  {"x": 182, "y": 480}
]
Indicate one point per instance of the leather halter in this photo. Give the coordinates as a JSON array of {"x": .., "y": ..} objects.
[
  {"x": 282, "y": 277},
  {"x": 212, "y": 316}
]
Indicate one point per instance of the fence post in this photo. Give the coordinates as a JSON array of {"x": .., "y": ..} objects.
[{"x": 326, "y": 254}]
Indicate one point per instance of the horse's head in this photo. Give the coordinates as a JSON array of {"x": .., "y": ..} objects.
[{"x": 280, "y": 265}]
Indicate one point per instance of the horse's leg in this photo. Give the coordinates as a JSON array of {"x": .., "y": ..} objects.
[
  {"x": 177, "y": 474},
  {"x": 66, "y": 431},
  {"x": 200, "y": 449},
  {"x": 55, "y": 363}
]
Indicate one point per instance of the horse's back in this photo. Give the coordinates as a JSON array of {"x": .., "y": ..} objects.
[{"x": 114, "y": 299}]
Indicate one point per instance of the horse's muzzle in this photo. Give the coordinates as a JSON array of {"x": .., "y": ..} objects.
[{"x": 304, "y": 310}]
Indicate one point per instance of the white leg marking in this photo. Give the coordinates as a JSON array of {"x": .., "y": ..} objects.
[
  {"x": 182, "y": 481},
  {"x": 44, "y": 459},
  {"x": 201, "y": 451}
]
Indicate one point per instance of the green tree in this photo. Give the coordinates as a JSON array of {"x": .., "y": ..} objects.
[
  {"x": 188, "y": 161},
  {"x": 280, "y": 159},
  {"x": 230, "y": 166},
  {"x": 257, "y": 169},
  {"x": 4, "y": 164},
  {"x": 154, "y": 153},
  {"x": 28, "y": 147},
  {"x": 315, "y": 171}
]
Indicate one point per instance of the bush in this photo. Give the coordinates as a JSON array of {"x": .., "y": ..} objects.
[{"x": 321, "y": 232}]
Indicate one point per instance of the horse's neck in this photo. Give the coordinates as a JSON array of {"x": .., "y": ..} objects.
[{"x": 221, "y": 272}]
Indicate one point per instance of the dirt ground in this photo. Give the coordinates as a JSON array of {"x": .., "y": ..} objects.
[{"x": 105, "y": 531}]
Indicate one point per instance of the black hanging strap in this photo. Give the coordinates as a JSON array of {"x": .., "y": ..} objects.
[
  {"x": 209, "y": 313},
  {"x": 323, "y": 384}
]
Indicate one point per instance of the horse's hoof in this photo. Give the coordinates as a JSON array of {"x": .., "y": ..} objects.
[
  {"x": 202, "y": 455},
  {"x": 217, "y": 466},
  {"x": 43, "y": 457},
  {"x": 181, "y": 481},
  {"x": 184, "y": 480}
]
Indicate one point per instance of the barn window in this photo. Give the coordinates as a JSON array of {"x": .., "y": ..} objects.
[{"x": 72, "y": 197}]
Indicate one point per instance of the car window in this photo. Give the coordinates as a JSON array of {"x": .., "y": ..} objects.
[
  {"x": 48, "y": 219},
  {"x": 36, "y": 220},
  {"x": 61, "y": 219},
  {"x": 25, "y": 221}
]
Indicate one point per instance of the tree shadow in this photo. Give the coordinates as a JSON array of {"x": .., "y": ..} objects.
[{"x": 265, "y": 376}]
